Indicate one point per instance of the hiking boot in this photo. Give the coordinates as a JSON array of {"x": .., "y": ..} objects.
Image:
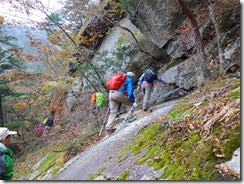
[
  {"x": 111, "y": 131},
  {"x": 131, "y": 118},
  {"x": 119, "y": 119},
  {"x": 146, "y": 109}
]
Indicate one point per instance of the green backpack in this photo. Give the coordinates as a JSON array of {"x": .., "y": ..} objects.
[{"x": 99, "y": 99}]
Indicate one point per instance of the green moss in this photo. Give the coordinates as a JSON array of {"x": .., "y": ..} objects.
[
  {"x": 123, "y": 175},
  {"x": 183, "y": 109},
  {"x": 165, "y": 156},
  {"x": 157, "y": 166},
  {"x": 141, "y": 160},
  {"x": 93, "y": 176},
  {"x": 174, "y": 117},
  {"x": 190, "y": 156},
  {"x": 19, "y": 173},
  {"x": 137, "y": 148},
  {"x": 234, "y": 95},
  {"x": 191, "y": 142},
  {"x": 204, "y": 103},
  {"x": 177, "y": 144},
  {"x": 175, "y": 176},
  {"x": 194, "y": 175},
  {"x": 121, "y": 157},
  {"x": 234, "y": 86},
  {"x": 144, "y": 139},
  {"x": 230, "y": 133},
  {"x": 217, "y": 128},
  {"x": 51, "y": 157},
  {"x": 149, "y": 163},
  {"x": 232, "y": 145},
  {"x": 177, "y": 108},
  {"x": 152, "y": 150},
  {"x": 191, "y": 159},
  {"x": 168, "y": 171},
  {"x": 188, "y": 111}
]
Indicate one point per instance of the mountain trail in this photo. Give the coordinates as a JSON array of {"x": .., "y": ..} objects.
[{"x": 101, "y": 154}]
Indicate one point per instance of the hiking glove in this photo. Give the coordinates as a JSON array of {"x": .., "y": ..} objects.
[{"x": 134, "y": 104}]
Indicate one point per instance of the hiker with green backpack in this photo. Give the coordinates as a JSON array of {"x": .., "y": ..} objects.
[
  {"x": 121, "y": 90},
  {"x": 6, "y": 156},
  {"x": 146, "y": 83},
  {"x": 97, "y": 101}
]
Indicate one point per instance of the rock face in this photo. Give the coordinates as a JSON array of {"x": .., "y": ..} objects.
[
  {"x": 182, "y": 74},
  {"x": 159, "y": 19},
  {"x": 159, "y": 29},
  {"x": 231, "y": 169},
  {"x": 163, "y": 30},
  {"x": 110, "y": 44},
  {"x": 71, "y": 96},
  {"x": 98, "y": 158}
]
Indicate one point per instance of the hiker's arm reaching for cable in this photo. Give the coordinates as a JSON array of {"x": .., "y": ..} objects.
[
  {"x": 141, "y": 79},
  {"x": 159, "y": 79}
]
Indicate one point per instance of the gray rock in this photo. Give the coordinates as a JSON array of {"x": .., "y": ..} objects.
[{"x": 232, "y": 166}]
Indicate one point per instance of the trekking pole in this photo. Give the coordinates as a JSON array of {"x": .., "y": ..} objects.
[{"x": 104, "y": 121}]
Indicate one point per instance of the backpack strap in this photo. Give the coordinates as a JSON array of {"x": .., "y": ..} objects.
[
  {"x": 45, "y": 121},
  {"x": 2, "y": 162}
]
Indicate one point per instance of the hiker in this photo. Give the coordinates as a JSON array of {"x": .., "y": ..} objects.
[
  {"x": 49, "y": 120},
  {"x": 97, "y": 101},
  {"x": 146, "y": 83},
  {"x": 119, "y": 110},
  {"x": 124, "y": 94},
  {"x": 6, "y": 156}
]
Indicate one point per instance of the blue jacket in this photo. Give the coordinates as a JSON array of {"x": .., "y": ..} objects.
[{"x": 127, "y": 88}]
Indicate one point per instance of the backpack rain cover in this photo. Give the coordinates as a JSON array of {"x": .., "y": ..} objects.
[{"x": 115, "y": 81}]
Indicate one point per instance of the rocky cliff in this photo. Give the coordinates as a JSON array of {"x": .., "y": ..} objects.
[{"x": 164, "y": 38}]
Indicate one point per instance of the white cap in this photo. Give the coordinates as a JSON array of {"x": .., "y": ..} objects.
[
  {"x": 131, "y": 74},
  {"x": 4, "y": 132}
]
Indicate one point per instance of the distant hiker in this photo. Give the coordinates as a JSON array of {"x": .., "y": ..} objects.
[
  {"x": 97, "y": 100},
  {"x": 146, "y": 82},
  {"x": 49, "y": 120},
  {"x": 39, "y": 130},
  {"x": 6, "y": 156},
  {"x": 120, "y": 91}
]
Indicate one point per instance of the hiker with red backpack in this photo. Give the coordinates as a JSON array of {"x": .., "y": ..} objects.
[
  {"x": 121, "y": 90},
  {"x": 146, "y": 83}
]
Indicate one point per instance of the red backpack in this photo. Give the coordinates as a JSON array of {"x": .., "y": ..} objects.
[{"x": 115, "y": 81}]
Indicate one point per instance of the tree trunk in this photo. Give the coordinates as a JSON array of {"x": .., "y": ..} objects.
[
  {"x": 202, "y": 71},
  {"x": 1, "y": 112},
  {"x": 222, "y": 62}
]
